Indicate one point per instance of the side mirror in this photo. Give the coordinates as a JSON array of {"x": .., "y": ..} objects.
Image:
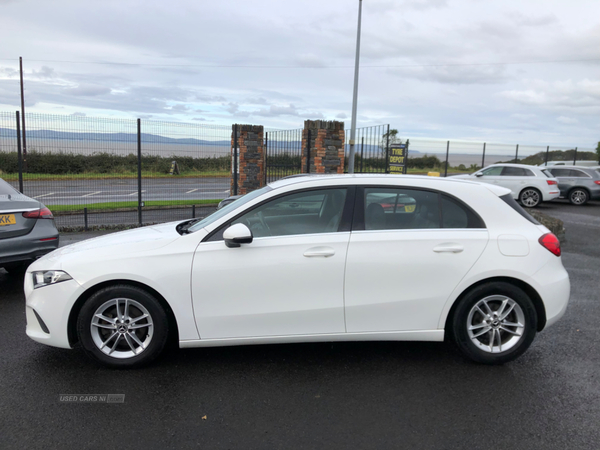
[
  {"x": 236, "y": 235},
  {"x": 478, "y": 174}
]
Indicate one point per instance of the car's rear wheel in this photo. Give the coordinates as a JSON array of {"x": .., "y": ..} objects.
[
  {"x": 122, "y": 326},
  {"x": 578, "y": 196},
  {"x": 494, "y": 323},
  {"x": 530, "y": 197}
]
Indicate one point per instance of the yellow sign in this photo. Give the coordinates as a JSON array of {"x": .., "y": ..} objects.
[
  {"x": 397, "y": 158},
  {"x": 410, "y": 208},
  {"x": 7, "y": 219}
]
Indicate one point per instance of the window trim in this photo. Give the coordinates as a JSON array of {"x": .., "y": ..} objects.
[
  {"x": 358, "y": 224},
  {"x": 345, "y": 221}
]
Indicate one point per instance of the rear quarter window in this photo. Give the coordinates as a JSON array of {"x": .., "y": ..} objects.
[{"x": 514, "y": 205}]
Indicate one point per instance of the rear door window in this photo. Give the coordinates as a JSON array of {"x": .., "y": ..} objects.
[{"x": 513, "y": 172}]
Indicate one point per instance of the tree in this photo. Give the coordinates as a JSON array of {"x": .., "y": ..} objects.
[
  {"x": 394, "y": 139},
  {"x": 598, "y": 152}
]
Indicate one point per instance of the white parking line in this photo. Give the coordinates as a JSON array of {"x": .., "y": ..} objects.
[
  {"x": 44, "y": 195},
  {"x": 135, "y": 192},
  {"x": 93, "y": 193},
  {"x": 193, "y": 190}
]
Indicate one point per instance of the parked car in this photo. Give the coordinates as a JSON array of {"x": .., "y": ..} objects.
[
  {"x": 311, "y": 259},
  {"x": 569, "y": 163},
  {"x": 578, "y": 184},
  {"x": 529, "y": 184},
  {"x": 27, "y": 229}
]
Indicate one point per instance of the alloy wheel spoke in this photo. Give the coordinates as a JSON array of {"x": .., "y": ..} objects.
[
  {"x": 478, "y": 326},
  {"x": 482, "y": 332},
  {"x": 509, "y": 331},
  {"x": 140, "y": 325},
  {"x": 112, "y": 349},
  {"x": 101, "y": 325},
  {"x": 143, "y": 316},
  {"x": 128, "y": 340},
  {"x": 106, "y": 319},
  {"x": 510, "y": 324},
  {"x": 487, "y": 306},
  {"x": 481, "y": 311},
  {"x": 502, "y": 307},
  {"x": 105, "y": 343},
  {"x": 126, "y": 309},
  {"x": 491, "y": 344},
  {"x": 499, "y": 338},
  {"x": 135, "y": 338},
  {"x": 505, "y": 315}
]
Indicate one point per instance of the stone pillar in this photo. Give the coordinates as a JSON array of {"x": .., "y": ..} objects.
[
  {"x": 251, "y": 158},
  {"x": 326, "y": 146}
]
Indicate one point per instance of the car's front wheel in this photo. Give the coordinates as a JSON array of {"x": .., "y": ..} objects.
[
  {"x": 494, "y": 323},
  {"x": 122, "y": 326},
  {"x": 578, "y": 197},
  {"x": 530, "y": 197}
]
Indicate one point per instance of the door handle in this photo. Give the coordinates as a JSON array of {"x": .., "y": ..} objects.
[
  {"x": 323, "y": 252},
  {"x": 448, "y": 248}
]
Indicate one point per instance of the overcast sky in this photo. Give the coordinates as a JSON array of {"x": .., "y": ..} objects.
[{"x": 430, "y": 68}]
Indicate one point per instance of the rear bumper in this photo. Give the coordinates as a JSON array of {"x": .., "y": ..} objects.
[
  {"x": 550, "y": 195},
  {"x": 553, "y": 285},
  {"x": 30, "y": 246}
]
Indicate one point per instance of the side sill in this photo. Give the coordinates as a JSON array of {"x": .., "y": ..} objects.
[{"x": 421, "y": 335}]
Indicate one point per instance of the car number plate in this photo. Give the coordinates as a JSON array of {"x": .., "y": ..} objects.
[{"x": 7, "y": 219}]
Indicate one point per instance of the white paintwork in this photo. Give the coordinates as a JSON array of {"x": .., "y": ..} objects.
[
  {"x": 517, "y": 184},
  {"x": 513, "y": 245},
  {"x": 361, "y": 285}
]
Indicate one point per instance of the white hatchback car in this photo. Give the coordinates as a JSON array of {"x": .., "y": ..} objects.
[
  {"x": 307, "y": 259},
  {"x": 530, "y": 185}
]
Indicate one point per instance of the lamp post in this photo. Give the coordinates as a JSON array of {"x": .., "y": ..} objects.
[{"x": 355, "y": 94}]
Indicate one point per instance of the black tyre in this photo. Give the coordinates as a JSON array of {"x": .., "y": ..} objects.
[
  {"x": 494, "y": 323},
  {"x": 122, "y": 326},
  {"x": 530, "y": 197},
  {"x": 578, "y": 196}
]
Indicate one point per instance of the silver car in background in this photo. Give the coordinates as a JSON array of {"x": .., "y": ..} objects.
[
  {"x": 578, "y": 184},
  {"x": 27, "y": 229}
]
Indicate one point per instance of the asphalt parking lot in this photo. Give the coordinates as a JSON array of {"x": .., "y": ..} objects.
[{"x": 342, "y": 395}]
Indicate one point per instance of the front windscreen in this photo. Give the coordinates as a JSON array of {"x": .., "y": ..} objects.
[{"x": 228, "y": 208}]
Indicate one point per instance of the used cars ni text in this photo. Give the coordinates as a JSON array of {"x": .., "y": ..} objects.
[
  {"x": 311, "y": 259},
  {"x": 529, "y": 185}
]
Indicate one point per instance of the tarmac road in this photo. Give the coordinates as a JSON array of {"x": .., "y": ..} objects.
[
  {"x": 342, "y": 395},
  {"x": 83, "y": 192}
]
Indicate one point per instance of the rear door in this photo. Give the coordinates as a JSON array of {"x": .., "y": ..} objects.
[
  {"x": 513, "y": 178},
  {"x": 408, "y": 250}
]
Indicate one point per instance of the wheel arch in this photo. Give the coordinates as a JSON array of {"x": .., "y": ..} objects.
[
  {"x": 72, "y": 322},
  {"x": 528, "y": 289}
]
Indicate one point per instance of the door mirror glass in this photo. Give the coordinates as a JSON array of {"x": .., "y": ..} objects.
[
  {"x": 479, "y": 174},
  {"x": 236, "y": 235}
]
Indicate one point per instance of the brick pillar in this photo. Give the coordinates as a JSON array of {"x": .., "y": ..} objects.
[
  {"x": 326, "y": 146},
  {"x": 251, "y": 158}
]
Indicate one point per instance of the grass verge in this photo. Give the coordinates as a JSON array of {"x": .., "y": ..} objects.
[{"x": 127, "y": 206}]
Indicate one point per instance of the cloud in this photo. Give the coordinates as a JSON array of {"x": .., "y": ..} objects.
[
  {"x": 44, "y": 72},
  {"x": 200, "y": 119},
  {"x": 275, "y": 110},
  {"x": 341, "y": 116},
  {"x": 567, "y": 120},
  {"x": 532, "y": 21},
  {"x": 88, "y": 90},
  {"x": 455, "y": 74},
  {"x": 78, "y": 114},
  {"x": 310, "y": 60},
  {"x": 256, "y": 101},
  {"x": 8, "y": 72},
  {"x": 558, "y": 94}
]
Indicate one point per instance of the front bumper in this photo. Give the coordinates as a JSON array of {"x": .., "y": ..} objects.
[{"x": 47, "y": 310}]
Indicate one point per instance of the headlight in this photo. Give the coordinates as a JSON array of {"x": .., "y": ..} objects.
[{"x": 46, "y": 277}]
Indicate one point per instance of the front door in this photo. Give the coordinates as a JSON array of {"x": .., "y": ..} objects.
[{"x": 288, "y": 281}]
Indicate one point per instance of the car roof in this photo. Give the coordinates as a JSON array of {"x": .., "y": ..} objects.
[
  {"x": 361, "y": 178},
  {"x": 523, "y": 166},
  {"x": 584, "y": 168}
]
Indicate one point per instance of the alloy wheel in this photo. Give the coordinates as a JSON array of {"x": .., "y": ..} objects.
[
  {"x": 496, "y": 323},
  {"x": 122, "y": 328},
  {"x": 578, "y": 197},
  {"x": 530, "y": 198}
]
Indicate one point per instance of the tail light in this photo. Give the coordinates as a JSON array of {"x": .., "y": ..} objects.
[
  {"x": 597, "y": 181},
  {"x": 551, "y": 243},
  {"x": 551, "y": 182},
  {"x": 42, "y": 213}
]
